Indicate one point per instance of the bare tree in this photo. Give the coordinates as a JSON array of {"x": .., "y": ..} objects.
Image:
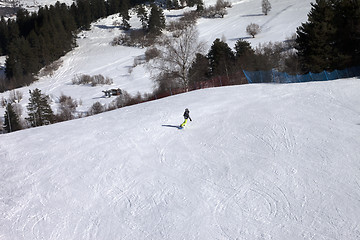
[
  {"x": 176, "y": 54},
  {"x": 67, "y": 108},
  {"x": 253, "y": 29},
  {"x": 266, "y": 6},
  {"x": 19, "y": 95},
  {"x": 96, "y": 108},
  {"x": 15, "y": 96},
  {"x": 12, "y": 96},
  {"x": 2, "y": 102}
]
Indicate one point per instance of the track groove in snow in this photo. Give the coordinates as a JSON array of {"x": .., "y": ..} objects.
[
  {"x": 259, "y": 161},
  {"x": 283, "y": 166}
]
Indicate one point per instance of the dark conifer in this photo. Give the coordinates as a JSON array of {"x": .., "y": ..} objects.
[
  {"x": 242, "y": 48},
  {"x": 156, "y": 20},
  {"x": 143, "y": 16},
  {"x": 347, "y": 21},
  {"x": 113, "y": 6},
  {"x": 4, "y": 36},
  {"x": 11, "y": 119},
  {"x": 221, "y": 58},
  {"x": 199, "y": 70},
  {"x": 39, "y": 110},
  {"x": 330, "y": 38},
  {"x": 244, "y": 54},
  {"x": 124, "y": 13},
  {"x": 83, "y": 14},
  {"x": 98, "y": 9}
]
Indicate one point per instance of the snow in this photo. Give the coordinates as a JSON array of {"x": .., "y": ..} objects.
[
  {"x": 259, "y": 161},
  {"x": 94, "y": 54},
  {"x": 280, "y": 23}
]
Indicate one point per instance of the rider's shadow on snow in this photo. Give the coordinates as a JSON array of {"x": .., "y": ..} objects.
[{"x": 172, "y": 126}]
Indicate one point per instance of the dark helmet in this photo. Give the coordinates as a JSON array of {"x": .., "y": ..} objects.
[{"x": 187, "y": 110}]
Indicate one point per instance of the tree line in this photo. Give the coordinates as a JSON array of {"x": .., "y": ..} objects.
[
  {"x": 34, "y": 40},
  {"x": 328, "y": 40}
]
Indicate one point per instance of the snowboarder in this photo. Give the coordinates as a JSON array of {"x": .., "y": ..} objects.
[{"x": 186, "y": 117}]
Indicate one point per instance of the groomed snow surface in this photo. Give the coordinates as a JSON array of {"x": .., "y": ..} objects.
[{"x": 259, "y": 161}]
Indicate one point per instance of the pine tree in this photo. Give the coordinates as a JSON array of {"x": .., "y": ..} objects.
[
  {"x": 21, "y": 61},
  {"x": 113, "y": 6},
  {"x": 199, "y": 70},
  {"x": 98, "y": 9},
  {"x": 143, "y": 16},
  {"x": 168, "y": 4},
  {"x": 39, "y": 110},
  {"x": 221, "y": 58},
  {"x": 242, "y": 48},
  {"x": 347, "y": 22},
  {"x": 156, "y": 20},
  {"x": 244, "y": 54},
  {"x": 13, "y": 30},
  {"x": 83, "y": 14},
  {"x": 11, "y": 119},
  {"x": 4, "y": 35},
  {"x": 124, "y": 14},
  {"x": 328, "y": 40},
  {"x": 199, "y": 5}
]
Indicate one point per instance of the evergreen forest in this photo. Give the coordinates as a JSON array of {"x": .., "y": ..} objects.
[{"x": 35, "y": 40}]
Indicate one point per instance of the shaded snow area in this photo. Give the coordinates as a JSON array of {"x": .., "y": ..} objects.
[{"x": 258, "y": 161}]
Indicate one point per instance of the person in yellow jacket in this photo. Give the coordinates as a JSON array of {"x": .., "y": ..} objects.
[{"x": 186, "y": 117}]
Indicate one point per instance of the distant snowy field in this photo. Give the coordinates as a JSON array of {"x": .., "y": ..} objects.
[{"x": 260, "y": 161}]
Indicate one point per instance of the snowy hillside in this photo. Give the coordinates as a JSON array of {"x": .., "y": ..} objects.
[
  {"x": 259, "y": 161},
  {"x": 95, "y": 55}
]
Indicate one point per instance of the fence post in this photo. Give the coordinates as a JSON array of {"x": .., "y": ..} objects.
[
  {"x": 220, "y": 81},
  {"x": 310, "y": 76},
  {"x": 337, "y": 73},
  {"x": 261, "y": 77},
  {"x": 327, "y": 79},
  {"x": 247, "y": 77}
]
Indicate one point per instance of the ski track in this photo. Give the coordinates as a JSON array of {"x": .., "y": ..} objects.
[
  {"x": 257, "y": 162},
  {"x": 267, "y": 177}
]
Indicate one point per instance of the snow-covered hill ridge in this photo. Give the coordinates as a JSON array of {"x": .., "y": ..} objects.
[
  {"x": 94, "y": 54},
  {"x": 259, "y": 161}
]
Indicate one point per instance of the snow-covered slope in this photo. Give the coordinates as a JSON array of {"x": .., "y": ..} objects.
[
  {"x": 94, "y": 54},
  {"x": 258, "y": 161},
  {"x": 280, "y": 24}
]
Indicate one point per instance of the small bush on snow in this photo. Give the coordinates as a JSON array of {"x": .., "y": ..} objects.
[{"x": 92, "y": 80}]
